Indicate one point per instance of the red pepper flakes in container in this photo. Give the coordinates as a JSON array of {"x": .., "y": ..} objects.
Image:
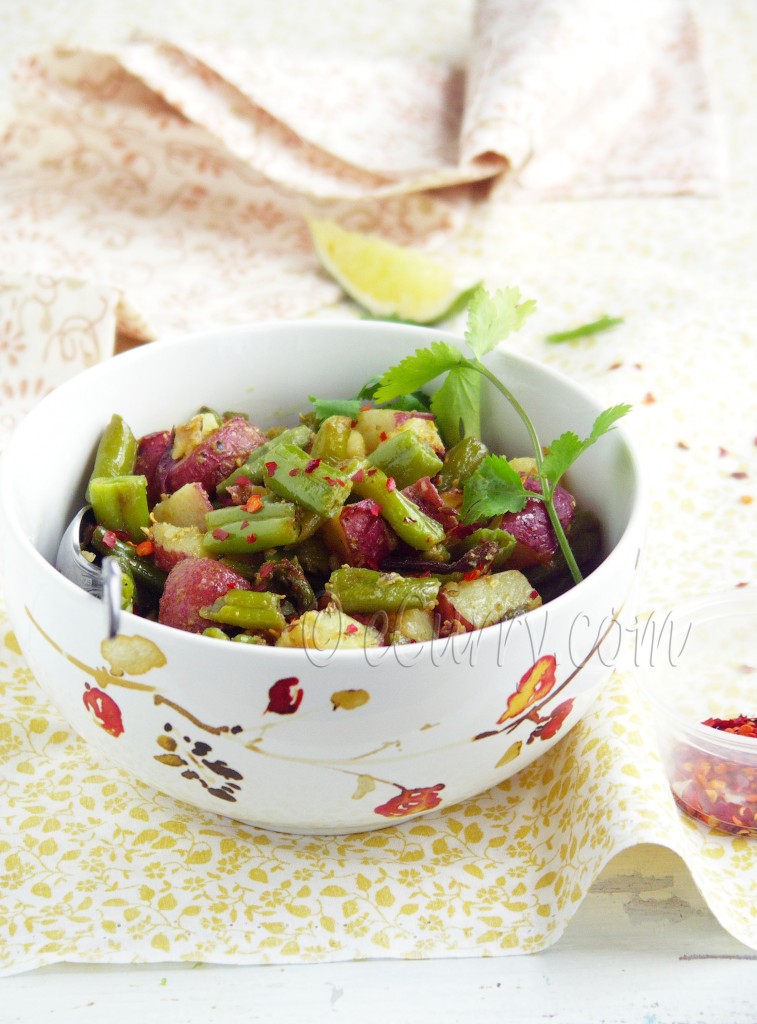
[
  {"x": 698, "y": 670},
  {"x": 720, "y": 792}
]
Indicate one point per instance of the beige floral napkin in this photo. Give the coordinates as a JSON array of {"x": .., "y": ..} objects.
[{"x": 178, "y": 173}]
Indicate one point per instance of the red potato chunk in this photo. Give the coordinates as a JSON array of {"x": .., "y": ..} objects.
[
  {"x": 185, "y": 507},
  {"x": 174, "y": 543},
  {"x": 216, "y": 456},
  {"x": 536, "y": 540},
  {"x": 359, "y": 536},
  {"x": 474, "y": 604},
  {"x": 424, "y": 494},
  {"x": 154, "y": 461},
  {"x": 192, "y": 584}
]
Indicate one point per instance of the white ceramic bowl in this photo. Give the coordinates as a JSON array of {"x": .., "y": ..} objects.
[{"x": 189, "y": 715}]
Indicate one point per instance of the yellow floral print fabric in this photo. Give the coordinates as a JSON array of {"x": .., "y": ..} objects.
[{"x": 96, "y": 866}]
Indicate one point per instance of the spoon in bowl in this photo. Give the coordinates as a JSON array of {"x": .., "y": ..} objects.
[{"x": 102, "y": 581}]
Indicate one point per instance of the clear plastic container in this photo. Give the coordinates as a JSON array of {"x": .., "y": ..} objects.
[{"x": 699, "y": 662}]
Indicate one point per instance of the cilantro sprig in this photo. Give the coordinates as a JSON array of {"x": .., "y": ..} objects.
[{"x": 495, "y": 487}]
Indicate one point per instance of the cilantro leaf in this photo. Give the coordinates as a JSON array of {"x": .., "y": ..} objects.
[
  {"x": 424, "y": 365},
  {"x": 494, "y": 488},
  {"x": 566, "y": 449},
  {"x": 457, "y": 405},
  {"x": 325, "y": 407},
  {"x": 605, "y": 323},
  {"x": 607, "y": 420},
  {"x": 418, "y": 401},
  {"x": 491, "y": 318}
]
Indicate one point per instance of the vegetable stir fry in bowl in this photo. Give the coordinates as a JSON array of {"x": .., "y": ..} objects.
[{"x": 346, "y": 682}]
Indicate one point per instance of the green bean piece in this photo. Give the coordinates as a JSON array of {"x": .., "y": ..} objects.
[
  {"x": 253, "y": 468},
  {"x": 119, "y": 503},
  {"x": 461, "y": 462},
  {"x": 366, "y": 590},
  {"x": 504, "y": 541},
  {"x": 116, "y": 453},
  {"x": 410, "y": 524},
  {"x": 313, "y": 556},
  {"x": 309, "y": 524},
  {"x": 128, "y": 590},
  {"x": 271, "y": 508},
  {"x": 215, "y": 633},
  {"x": 143, "y": 569},
  {"x": 406, "y": 457},
  {"x": 332, "y": 439},
  {"x": 315, "y": 486},
  {"x": 247, "y": 609},
  {"x": 250, "y": 535}
]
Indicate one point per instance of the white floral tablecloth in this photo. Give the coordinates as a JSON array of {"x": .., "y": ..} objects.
[{"x": 95, "y": 866}]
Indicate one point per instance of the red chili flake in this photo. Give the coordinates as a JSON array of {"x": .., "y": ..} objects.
[
  {"x": 533, "y": 595},
  {"x": 220, "y": 534},
  {"x": 341, "y": 482},
  {"x": 722, "y": 452},
  {"x": 374, "y": 508},
  {"x": 251, "y": 538},
  {"x": 357, "y": 478},
  {"x": 330, "y": 481},
  {"x": 372, "y": 472},
  {"x": 109, "y": 539},
  {"x": 365, "y": 408},
  {"x": 615, "y": 366},
  {"x": 747, "y": 670},
  {"x": 472, "y": 575},
  {"x": 649, "y": 398},
  {"x": 254, "y": 503},
  {"x": 352, "y": 628},
  {"x": 312, "y": 465},
  {"x": 740, "y": 475},
  {"x": 740, "y": 586},
  {"x": 391, "y": 484},
  {"x": 294, "y": 472},
  {"x": 638, "y": 366},
  {"x": 243, "y": 481},
  {"x": 145, "y": 548},
  {"x": 739, "y": 726},
  {"x": 383, "y": 435},
  {"x": 244, "y": 524},
  {"x": 683, "y": 446},
  {"x": 271, "y": 467}
]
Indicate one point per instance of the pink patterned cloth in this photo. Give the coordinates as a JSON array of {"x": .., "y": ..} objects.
[{"x": 171, "y": 180}]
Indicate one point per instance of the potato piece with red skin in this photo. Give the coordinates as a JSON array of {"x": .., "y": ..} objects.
[
  {"x": 185, "y": 507},
  {"x": 474, "y": 604},
  {"x": 359, "y": 536},
  {"x": 217, "y": 456},
  {"x": 154, "y": 462},
  {"x": 535, "y": 536},
  {"x": 192, "y": 584},
  {"x": 174, "y": 543},
  {"x": 424, "y": 494}
]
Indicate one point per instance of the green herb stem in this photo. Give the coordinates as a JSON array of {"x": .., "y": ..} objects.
[{"x": 547, "y": 494}]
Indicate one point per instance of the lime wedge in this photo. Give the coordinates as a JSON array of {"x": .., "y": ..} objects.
[{"x": 387, "y": 280}]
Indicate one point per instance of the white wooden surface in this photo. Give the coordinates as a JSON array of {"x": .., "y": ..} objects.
[{"x": 642, "y": 949}]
